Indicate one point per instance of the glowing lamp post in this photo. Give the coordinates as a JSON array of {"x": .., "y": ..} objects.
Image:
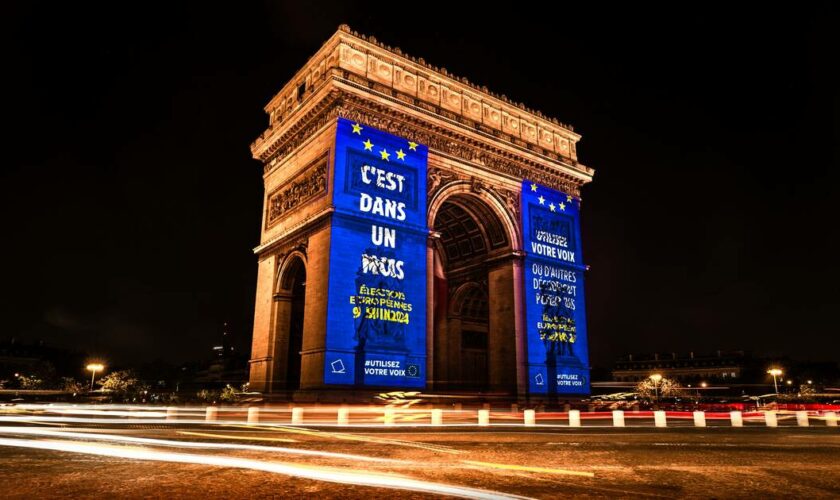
[
  {"x": 775, "y": 372},
  {"x": 94, "y": 367},
  {"x": 656, "y": 378}
]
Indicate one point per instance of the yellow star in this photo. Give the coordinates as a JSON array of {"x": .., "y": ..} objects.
[
  {"x": 368, "y": 145},
  {"x": 568, "y": 197},
  {"x": 400, "y": 155},
  {"x": 534, "y": 188},
  {"x": 385, "y": 155},
  {"x": 551, "y": 206},
  {"x": 357, "y": 129},
  {"x": 562, "y": 206},
  {"x": 542, "y": 200},
  {"x": 412, "y": 146}
]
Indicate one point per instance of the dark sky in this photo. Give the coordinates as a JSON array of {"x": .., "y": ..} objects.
[{"x": 131, "y": 204}]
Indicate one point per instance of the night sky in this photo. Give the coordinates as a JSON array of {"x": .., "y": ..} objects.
[{"x": 131, "y": 204}]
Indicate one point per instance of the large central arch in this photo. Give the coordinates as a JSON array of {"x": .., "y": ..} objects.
[{"x": 474, "y": 268}]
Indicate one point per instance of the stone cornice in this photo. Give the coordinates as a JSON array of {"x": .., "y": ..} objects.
[
  {"x": 442, "y": 139},
  {"x": 378, "y": 68}
]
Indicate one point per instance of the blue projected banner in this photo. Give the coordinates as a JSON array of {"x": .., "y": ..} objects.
[
  {"x": 558, "y": 357},
  {"x": 376, "y": 312}
]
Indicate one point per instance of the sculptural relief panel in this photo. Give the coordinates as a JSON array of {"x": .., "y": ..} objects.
[
  {"x": 306, "y": 185},
  {"x": 428, "y": 90},
  {"x": 450, "y": 99},
  {"x": 353, "y": 60},
  {"x": 472, "y": 107},
  {"x": 510, "y": 124},
  {"x": 380, "y": 71},
  {"x": 405, "y": 81},
  {"x": 492, "y": 116}
]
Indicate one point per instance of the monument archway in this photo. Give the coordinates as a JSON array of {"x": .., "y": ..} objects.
[
  {"x": 290, "y": 302},
  {"x": 373, "y": 160},
  {"x": 474, "y": 335}
]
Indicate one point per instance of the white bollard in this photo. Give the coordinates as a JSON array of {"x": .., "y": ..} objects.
[
  {"x": 211, "y": 414},
  {"x": 699, "y": 419},
  {"x": 618, "y": 418},
  {"x": 770, "y": 419},
  {"x": 830, "y": 419},
  {"x": 483, "y": 418},
  {"x": 659, "y": 419},
  {"x": 297, "y": 416},
  {"x": 437, "y": 417},
  {"x": 389, "y": 416},
  {"x": 171, "y": 413},
  {"x": 802, "y": 418},
  {"x": 530, "y": 418},
  {"x": 574, "y": 418},
  {"x": 253, "y": 415},
  {"x": 343, "y": 417},
  {"x": 737, "y": 418}
]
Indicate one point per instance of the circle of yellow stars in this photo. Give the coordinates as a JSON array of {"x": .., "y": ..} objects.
[
  {"x": 551, "y": 206},
  {"x": 383, "y": 153}
]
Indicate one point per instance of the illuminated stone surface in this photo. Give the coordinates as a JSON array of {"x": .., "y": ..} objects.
[{"x": 481, "y": 147}]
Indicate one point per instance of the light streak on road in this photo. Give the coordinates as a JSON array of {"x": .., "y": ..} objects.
[
  {"x": 185, "y": 444},
  {"x": 231, "y": 436},
  {"x": 308, "y": 472},
  {"x": 368, "y": 439},
  {"x": 527, "y": 468}
]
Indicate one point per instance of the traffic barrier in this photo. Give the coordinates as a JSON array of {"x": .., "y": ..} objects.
[
  {"x": 343, "y": 417},
  {"x": 388, "y": 417},
  {"x": 618, "y": 418},
  {"x": 802, "y": 418},
  {"x": 737, "y": 418},
  {"x": 483, "y": 418},
  {"x": 297, "y": 416},
  {"x": 770, "y": 419},
  {"x": 437, "y": 417},
  {"x": 253, "y": 415},
  {"x": 530, "y": 418},
  {"x": 211, "y": 414},
  {"x": 830, "y": 419},
  {"x": 574, "y": 418},
  {"x": 659, "y": 419},
  {"x": 699, "y": 419},
  {"x": 171, "y": 413}
]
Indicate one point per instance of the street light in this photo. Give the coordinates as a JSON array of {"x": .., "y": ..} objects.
[
  {"x": 94, "y": 367},
  {"x": 656, "y": 378},
  {"x": 775, "y": 372}
]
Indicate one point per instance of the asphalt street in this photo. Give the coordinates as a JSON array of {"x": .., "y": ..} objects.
[{"x": 83, "y": 455}]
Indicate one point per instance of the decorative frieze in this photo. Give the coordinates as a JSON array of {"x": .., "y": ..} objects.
[{"x": 309, "y": 183}]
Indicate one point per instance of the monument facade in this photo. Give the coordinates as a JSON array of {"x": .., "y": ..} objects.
[{"x": 419, "y": 232}]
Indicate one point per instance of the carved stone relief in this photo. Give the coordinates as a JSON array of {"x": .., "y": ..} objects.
[{"x": 310, "y": 182}]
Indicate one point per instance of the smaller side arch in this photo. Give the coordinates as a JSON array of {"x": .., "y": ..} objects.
[{"x": 288, "y": 270}]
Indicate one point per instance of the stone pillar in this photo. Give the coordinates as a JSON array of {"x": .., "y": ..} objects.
[
  {"x": 501, "y": 339},
  {"x": 430, "y": 313},
  {"x": 520, "y": 325},
  {"x": 261, "y": 352},
  {"x": 315, "y": 309},
  {"x": 280, "y": 344},
  {"x": 451, "y": 330}
]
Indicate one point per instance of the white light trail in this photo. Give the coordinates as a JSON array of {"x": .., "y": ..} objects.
[
  {"x": 94, "y": 436},
  {"x": 307, "y": 472}
]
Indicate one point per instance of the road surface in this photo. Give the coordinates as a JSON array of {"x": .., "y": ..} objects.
[{"x": 115, "y": 453}]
